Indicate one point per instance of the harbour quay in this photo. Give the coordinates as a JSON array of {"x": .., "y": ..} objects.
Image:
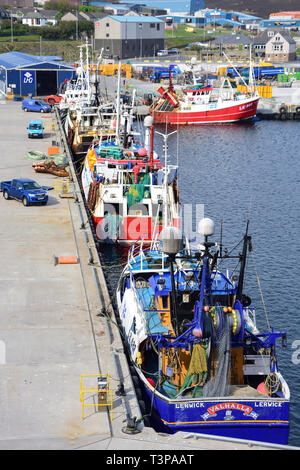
[{"x": 59, "y": 338}]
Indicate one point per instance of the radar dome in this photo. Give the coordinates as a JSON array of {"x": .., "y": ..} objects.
[
  {"x": 171, "y": 239},
  {"x": 206, "y": 227},
  {"x": 148, "y": 121}
]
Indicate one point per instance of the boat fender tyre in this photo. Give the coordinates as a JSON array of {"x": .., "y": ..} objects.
[
  {"x": 298, "y": 110},
  {"x": 5, "y": 194},
  {"x": 283, "y": 116},
  {"x": 282, "y": 109},
  {"x": 25, "y": 201},
  {"x": 144, "y": 413}
]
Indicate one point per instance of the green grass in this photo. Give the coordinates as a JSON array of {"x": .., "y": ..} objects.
[
  {"x": 180, "y": 37},
  {"x": 26, "y": 37}
]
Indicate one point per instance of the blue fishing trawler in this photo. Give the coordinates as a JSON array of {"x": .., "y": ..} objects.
[{"x": 202, "y": 364}]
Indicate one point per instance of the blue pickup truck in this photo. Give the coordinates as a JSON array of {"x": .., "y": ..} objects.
[
  {"x": 35, "y": 128},
  {"x": 25, "y": 190}
]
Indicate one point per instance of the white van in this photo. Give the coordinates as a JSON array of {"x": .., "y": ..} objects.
[{"x": 162, "y": 52}]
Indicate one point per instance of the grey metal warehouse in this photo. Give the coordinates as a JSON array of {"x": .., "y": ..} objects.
[{"x": 32, "y": 75}]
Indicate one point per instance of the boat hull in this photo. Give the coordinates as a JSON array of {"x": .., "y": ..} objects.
[
  {"x": 252, "y": 419},
  {"x": 212, "y": 115}
]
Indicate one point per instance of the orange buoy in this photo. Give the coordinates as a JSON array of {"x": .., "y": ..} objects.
[{"x": 65, "y": 260}]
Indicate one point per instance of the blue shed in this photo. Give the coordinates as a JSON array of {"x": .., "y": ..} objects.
[{"x": 35, "y": 75}]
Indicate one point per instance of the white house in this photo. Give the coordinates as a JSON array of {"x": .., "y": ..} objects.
[{"x": 40, "y": 18}]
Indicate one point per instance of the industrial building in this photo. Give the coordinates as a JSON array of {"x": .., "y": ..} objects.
[
  {"x": 129, "y": 36},
  {"x": 32, "y": 75}
]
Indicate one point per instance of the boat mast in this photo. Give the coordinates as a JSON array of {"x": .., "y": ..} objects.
[
  {"x": 166, "y": 171},
  {"x": 243, "y": 257},
  {"x": 118, "y": 104}
]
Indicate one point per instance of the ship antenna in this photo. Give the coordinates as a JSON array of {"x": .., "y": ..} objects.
[{"x": 221, "y": 239}]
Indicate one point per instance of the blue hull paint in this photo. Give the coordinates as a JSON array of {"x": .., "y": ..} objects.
[{"x": 265, "y": 420}]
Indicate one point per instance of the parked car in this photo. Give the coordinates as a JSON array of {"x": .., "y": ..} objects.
[
  {"x": 162, "y": 52},
  {"x": 39, "y": 106},
  {"x": 173, "y": 51},
  {"x": 25, "y": 190},
  {"x": 35, "y": 129}
]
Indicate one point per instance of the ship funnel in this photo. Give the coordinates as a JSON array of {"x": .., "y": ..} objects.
[
  {"x": 171, "y": 240},
  {"x": 206, "y": 227}
]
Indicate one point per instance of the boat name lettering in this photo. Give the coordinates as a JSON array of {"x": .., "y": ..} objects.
[
  {"x": 212, "y": 411},
  {"x": 245, "y": 106},
  {"x": 265, "y": 404},
  {"x": 131, "y": 342},
  {"x": 190, "y": 405}
]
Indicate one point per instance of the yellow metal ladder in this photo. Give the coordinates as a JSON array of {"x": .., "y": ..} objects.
[{"x": 100, "y": 390}]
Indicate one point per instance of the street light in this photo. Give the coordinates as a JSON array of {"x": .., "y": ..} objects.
[
  {"x": 141, "y": 44},
  {"x": 11, "y": 27},
  {"x": 76, "y": 25}
]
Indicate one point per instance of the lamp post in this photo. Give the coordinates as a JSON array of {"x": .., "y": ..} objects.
[
  {"x": 141, "y": 43},
  {"x": 76, "y": 25},
  {"x": 11, "y": 27}
]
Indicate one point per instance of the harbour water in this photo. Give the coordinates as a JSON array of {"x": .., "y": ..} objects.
[{"x": 250, "y": 170}]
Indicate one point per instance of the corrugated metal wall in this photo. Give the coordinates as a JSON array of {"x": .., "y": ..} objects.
[{"x": 24, "y": 82}]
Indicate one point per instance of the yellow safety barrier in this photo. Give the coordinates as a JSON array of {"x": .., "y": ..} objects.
[
  {"x": 104, "y": 394},
  {"x": 50, "y": 126},
  {"x": 62, "y": 186}
]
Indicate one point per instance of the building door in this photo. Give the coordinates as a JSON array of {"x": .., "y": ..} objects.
[{"x": 46, "y": 82}]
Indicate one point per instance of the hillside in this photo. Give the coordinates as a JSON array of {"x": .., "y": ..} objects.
[{"x": 261, "y": 8}]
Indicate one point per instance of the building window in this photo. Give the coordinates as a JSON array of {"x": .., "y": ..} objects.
[
  {"x": 107, "y": 25},
  {"x": 152, "y": 25},
  {"x": 158, "y": 27},
  {"x": 107, "y": 35}
]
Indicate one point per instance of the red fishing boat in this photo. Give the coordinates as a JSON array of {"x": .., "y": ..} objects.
[
  {"x": 202, "y": 104},
  {"x": 130, "y": 193}
]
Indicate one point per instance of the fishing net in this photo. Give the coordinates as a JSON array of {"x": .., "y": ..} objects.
[
  {"x": 197, "y": 371},
  {"x": 135, "y": 194},
  {"x": 59, "y": 160},
  {"x": 218, "y": 385},
  {"x": 35, "y": 155}
]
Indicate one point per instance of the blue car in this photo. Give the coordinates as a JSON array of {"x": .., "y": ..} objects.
[
  {"x": 39, "y": 106},
  {"x": 25, "y": 190}
]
